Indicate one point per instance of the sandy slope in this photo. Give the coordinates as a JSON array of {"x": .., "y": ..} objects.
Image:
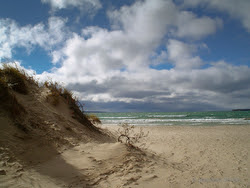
[
  {"x": 39, "y": 135},
  {"x": 175, "y": 157}
]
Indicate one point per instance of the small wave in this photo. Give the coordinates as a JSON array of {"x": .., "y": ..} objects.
[
  {"x": 167, "y": 116},
  {"x": 203, "y": 120},
  {"x": 230, "y": 121},
  {"x": 117, "y": 117}
]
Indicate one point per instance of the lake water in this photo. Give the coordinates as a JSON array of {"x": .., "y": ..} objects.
[{"x": 178, "y": 118}]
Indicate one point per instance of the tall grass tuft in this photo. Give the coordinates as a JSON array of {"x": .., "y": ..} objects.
[
  {"x": 14, "y": 78},
  {"x": 73, "y": 102},
  {"x": 94, "y": 119},
  {"x": 8, "y": 102},
  {"x": 55, "y": 90}
]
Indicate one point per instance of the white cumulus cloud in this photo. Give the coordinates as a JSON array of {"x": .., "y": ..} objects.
[
  {"x": 46, "y": 36},
  {"x": 238, "y": 9},
  {"x": 85, "y": 5},
  {"x": 191, "y": 26},
  {"x": 182, "y": 55}
]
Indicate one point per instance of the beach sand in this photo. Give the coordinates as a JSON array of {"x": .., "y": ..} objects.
[
  {"x": 181, "y": 156},
  {"x": 204, "y": 156}
]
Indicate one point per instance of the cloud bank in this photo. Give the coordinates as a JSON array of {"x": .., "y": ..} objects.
[{"x": 148, "y": 60}]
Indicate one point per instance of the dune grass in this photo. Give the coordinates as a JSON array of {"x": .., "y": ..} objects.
[
  {"x": 94, "y": 119},
  {"x": 14, "y": 79},
  {"x": 8, "y": 101},
  {"x": 58, "y": 91}
]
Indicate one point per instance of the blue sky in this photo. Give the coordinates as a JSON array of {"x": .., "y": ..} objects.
[{"x": 135, "y": 55}]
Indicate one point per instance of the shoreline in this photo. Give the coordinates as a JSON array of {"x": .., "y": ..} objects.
[
  {"x": 151, "y": 125},
  {"x": 177, "y": 118}
]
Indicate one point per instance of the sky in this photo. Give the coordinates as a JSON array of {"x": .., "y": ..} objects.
[{"x": 135, "y": 55}]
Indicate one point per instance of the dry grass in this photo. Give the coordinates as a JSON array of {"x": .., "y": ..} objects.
[
  {"x": 58, "y": 91},
  {"x": 8, "y": 101},
  {"x": 55, "y": 90},
  {"x": 53, "y": 98},
  {"x": 14, "y": 78},
  {"x": 4, "y": 91},
  {"x": 94, "y": 119},
  {"x": 68, "y": 95}
]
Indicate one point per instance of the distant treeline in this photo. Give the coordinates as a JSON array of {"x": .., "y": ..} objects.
[{"x": 241, "y": 109}]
